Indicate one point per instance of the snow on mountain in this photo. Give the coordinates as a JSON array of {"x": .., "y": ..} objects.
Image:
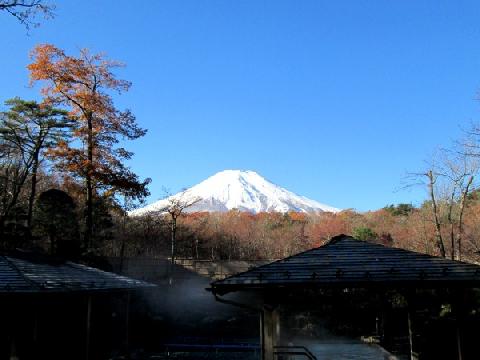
[{"x": 242, "y": 190}]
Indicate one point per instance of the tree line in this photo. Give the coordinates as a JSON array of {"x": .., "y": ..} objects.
[
  {"x": 237, "y": 235},
  {"x": 62, "y": 171},
  {"x": 445, "y": 224},
  {"x": 65, "y": 188}
]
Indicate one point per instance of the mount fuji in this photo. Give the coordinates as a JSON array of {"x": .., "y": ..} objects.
[{"x": 237, "y": 189}]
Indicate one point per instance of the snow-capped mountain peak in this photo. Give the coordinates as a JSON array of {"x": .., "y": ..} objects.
[{"x": 238, "y": 189}]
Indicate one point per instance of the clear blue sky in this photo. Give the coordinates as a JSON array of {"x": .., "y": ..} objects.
[{"x": 334, "y": 100}]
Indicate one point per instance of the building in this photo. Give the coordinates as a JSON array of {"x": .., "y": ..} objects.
[
  {"x": 57, "y": 309},
  {"x": 344, "y": 268}
]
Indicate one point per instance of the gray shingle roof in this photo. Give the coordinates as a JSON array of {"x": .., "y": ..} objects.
[
  {"x": 345, "y": 261},
  {"x": 41, "y": 276}
]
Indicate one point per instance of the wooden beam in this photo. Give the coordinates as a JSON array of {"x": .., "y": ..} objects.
[{"x": 88, "y": 327}]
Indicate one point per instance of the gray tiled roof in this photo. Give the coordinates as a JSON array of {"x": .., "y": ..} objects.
[
  {"x": 43, "y": 276},
  {"x": 345, "y": 261}
]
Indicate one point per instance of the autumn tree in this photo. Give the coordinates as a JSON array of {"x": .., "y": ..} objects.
[
  {"x": 84, "y": 85},
  {"x": 431, "y": 180},
  {"x": 449, "y": 180},
  {"x": 175, "y": 207},
  {"x": 460, "y": 171},
  {"x": 322, "y": 227},
  {"x": 26, "y": 11}
]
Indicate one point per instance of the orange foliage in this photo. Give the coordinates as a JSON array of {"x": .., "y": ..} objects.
[{"x": 82, "y": 84}]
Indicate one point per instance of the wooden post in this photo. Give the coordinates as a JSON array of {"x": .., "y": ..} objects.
[
  {"x": 459, "y": 310},
  {"x": 381, "y": 316},
  {"x": 268, "y": 332},
  {"x": 88, "y": 326},
  {"x": 127, "y": 324},
  {"x": 410, "y": 312},
  {"x": 35, "y": 328},
  {"x": 13, "y": 349},
  {"x": 410, "y": 333},
  {"x": 261, "y": 334},
  {"x": 459, "y": 341},
  {"x": 276, "y": 329},
  {"x": 383, "y": 321}
]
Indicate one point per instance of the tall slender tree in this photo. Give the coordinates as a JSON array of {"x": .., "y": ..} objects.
[
  {"x": 84, "y": 85},
  {"x": 176, "y": 205}
]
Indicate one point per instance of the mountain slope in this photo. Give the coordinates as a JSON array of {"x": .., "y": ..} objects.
[{"x": 242, "y": 190}]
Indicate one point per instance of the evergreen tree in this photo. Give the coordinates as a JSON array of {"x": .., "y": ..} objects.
[
  {"x": 56, "y": 219},
  {"x": 364, "y": 233},
  {"x": 27, "y": 130}
]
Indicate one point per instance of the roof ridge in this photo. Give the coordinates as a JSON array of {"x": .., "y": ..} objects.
[
  {"x": 335, "y": 239},
  {"x": 95, "y": 270}
]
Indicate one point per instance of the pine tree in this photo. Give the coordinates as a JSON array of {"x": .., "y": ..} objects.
[{"x": 28, "y": 129}]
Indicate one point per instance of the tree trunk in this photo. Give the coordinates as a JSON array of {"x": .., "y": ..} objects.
[
  {"x": 463, "y": 201},
  {"x": 10, "y": 204},
  {"x": 122, "y": 255},
  {"x": 89, "y": 185},
  {"x": 51, "y": 237},
  {"x": 438, "y": 233},
  {"x": 33, "y": 190},
  {"x": 2, "y": 229},
  {"x": 122, "y": 246},
  {"x": 452, "y": 241},
  {"x": 173, "y": 232},
  {"x": 452, "y": 226}
]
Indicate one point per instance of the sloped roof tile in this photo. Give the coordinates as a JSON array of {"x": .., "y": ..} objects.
[
  {"x": 19, "y": 275},
  {"x": 348, "y": 262}
]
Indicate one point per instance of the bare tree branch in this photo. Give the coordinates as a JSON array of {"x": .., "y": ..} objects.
[{"x": 26, "y": 11}]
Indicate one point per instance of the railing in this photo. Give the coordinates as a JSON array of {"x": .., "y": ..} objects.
[
  {"x": 294, "y": 351},
  {"x": 175, "y": 348},
  {"x": 211, "y": 347},
  {"x": 284, "y": 352}
]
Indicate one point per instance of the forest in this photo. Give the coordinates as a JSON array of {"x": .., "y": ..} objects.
[
  {"x": 69, "y": 188},
  {"x": 240, "y": 235},
  {"x": 65, "y": 188}
]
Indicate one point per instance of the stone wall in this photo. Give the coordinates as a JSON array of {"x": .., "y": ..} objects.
[{"x": 157, "y": 269}]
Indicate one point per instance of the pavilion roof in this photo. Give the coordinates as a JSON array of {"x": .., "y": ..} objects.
[
  {"x": 39, "y": 274},
  {"x": 348, "y": 262}
]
